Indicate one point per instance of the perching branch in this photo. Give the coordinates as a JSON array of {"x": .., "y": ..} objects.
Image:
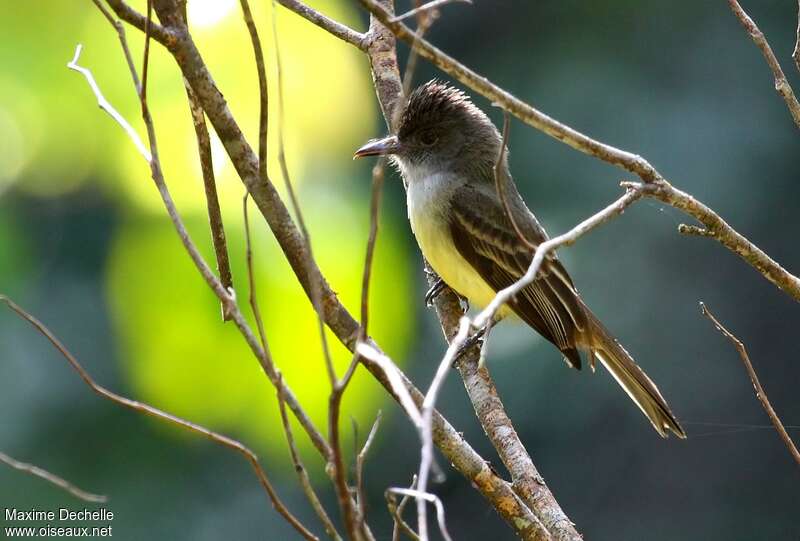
[
  {"x": 781, "y": 84},
  {"x": 751, "y": 373},
  {"x": 159, "y": 414},
  {"x": 51, "y": 478}
]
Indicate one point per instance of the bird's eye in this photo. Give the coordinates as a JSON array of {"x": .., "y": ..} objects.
[{"x": 428, "y": 138}]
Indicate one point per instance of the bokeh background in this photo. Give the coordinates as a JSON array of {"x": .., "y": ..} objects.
[{"x": 86, "y": 246}]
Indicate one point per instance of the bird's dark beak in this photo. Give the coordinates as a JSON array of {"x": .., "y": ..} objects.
[{"x": 379, "y": 147}]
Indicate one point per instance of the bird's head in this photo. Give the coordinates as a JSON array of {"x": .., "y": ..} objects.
[{"x": 440, "y": 129}]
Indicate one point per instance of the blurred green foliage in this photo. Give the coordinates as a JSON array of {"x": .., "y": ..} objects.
[{"x": 175, "y": 350}]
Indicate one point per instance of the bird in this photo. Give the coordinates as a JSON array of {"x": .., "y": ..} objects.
[{"x": 446, "y": 150}]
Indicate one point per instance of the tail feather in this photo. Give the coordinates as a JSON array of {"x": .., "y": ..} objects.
[{"x": 633, "y": 380}]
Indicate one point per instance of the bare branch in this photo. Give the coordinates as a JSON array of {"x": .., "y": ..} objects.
[
  {"x": 425, "y": 8},
  {"x": 723, "y": 233},
  {"x": 760, "y": 393},
  {"x": 396, "y": 383},
  {"x": 360, "y": 459},
  {"x": 157, "y": 413},
  {"x": 302, "y": 473},
  {"x": 432, "y": 498},
  {"x": 50, "y": 477},
  {"x": 335, "y": 28},
  {"x": 426, "y": 431},
  {"x": 396, "y": 510},
  {"x": 253, "y": 297},
  {"x": 210, "y": 185},
  {"x": 106, "y": 106},
  {"x": 263, "y": 99},
  {"x": 527, "y": 481},
  {"x": 133, "y": 17},
  {"x": 382, "y": 53},
  {"x": 781, "y": 84},
  {"x": 796, "y": 52}
]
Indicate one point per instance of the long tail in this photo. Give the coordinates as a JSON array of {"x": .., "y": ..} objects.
[{"x": 632, "y": 379}]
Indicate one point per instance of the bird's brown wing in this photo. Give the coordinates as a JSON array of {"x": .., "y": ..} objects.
[{"x": 488, "y": 241}]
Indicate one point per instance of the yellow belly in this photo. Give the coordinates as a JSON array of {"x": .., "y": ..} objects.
[{"x": 436, "y": 243}]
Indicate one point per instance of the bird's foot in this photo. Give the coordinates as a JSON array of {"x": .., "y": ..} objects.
[
  {"x": 437, "y": 287},
  {"x": 470, "y": 342}
]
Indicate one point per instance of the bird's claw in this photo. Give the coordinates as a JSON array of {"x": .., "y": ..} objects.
[
  {"x": 434, "y": 291},
  {"x": 471, "y": 341}
]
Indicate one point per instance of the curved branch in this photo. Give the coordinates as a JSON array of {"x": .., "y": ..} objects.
[
  {"x": 51, "y": 478},
  {"x": 719, "y": 230},
  {"x": 159, "y": 414},
  {"x": 751, "y": 373},
  {"x": 781, "y": 84}
]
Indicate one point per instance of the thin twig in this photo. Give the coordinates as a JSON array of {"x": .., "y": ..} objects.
[
  {"x": 425, "y": 8},
  {"x": 302, "y": 473},
  {"x": 396, "y": 510},
  {"x": 426, "y": 496},
  {"x": 395, "y": 378},
  {"x": 106, "y": 106},
  {"x": 46, "y": 475},
  {"x": 263, "y": 95},
  {"x": 781, "y": 84},
  {"x": 424, "y": 22},
  {"x": 216, "y": 225},
  {"x": 722, "y": 232},
  {"x": 426, "y": 432},
  {"x": 251, "y": 278},
  {"x": 155, "y": 412},
  {"x": 361, "y": 458},
  {"x": 760, "y": 393},
  {"x": 133, "y": 17},
  {"x": 335, "y": 28},
  {"x": 796, "y": 52},
  {"x": 212, "y": 200}
]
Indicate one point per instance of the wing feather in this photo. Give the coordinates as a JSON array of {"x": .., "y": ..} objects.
[{"x": 488, "y": 241}]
